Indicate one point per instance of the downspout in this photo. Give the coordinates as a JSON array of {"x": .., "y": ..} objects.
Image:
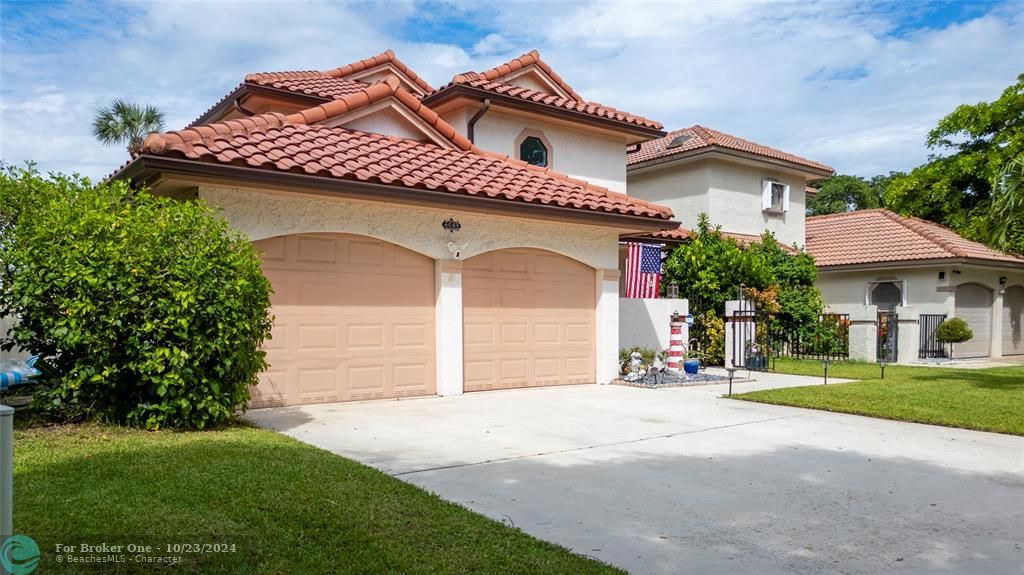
[
  {"x": 476, "y": 118},
  {"x": 238, "y": 106}
]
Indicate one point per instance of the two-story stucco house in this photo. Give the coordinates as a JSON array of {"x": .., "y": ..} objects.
[
  {"x": 420, "y": 241},
  {"x": 746, "y": 188}
]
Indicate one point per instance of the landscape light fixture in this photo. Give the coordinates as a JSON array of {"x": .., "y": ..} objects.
[
  {"x": 881, "y": 364},
  {"x": 824, "y": 364}
]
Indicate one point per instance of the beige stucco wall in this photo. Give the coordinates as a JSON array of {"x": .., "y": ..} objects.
[
  {"x": 262, "y": 215},
  {"x": 597, "y": 158},
  {"x": 729, "y": 192},
  {"x": 924, "y": 293},
  {"x": 685, "y": 191}
]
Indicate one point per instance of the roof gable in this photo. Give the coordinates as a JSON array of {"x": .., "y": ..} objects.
[
  {"x": 528, "y": 82},
  {"x": 380, "y": 66},
  {"x": 393, "y": 103},
  {"x": 880, "y": 236}
]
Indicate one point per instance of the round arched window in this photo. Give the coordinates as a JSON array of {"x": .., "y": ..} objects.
[{"x": 533, "y": 151}]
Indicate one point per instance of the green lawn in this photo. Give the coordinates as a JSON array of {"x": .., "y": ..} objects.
[
  {"x": 984, "y": 399},
  {"x": 287, "y": 507}
]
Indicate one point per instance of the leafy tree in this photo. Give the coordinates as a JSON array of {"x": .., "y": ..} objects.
[
  {"x": 122, "y": 122},
  {"x": 152, "y": 312},
  {"x": 842, "y": 193},
  {"x": 1006, "y": 219},
  {"x": 710, "y": 267},
  {"x": 794, "y": 274},
  {"x": 971, "y": 147}
]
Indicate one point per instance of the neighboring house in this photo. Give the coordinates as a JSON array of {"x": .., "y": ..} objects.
[
  {"x": 420, "y": 241},
  {"x": 744, "y": 187},
  {"x": 873, "y": 262}
]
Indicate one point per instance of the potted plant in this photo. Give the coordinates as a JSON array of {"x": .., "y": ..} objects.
[{"x": 691, "y": 359}]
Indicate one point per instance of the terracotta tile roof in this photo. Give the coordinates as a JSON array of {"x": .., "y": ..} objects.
[
  {"x": 699, "y": 137},
  {"x": 878, "y": 236},
  {"x": 386, "y": 57},
  {"x": 681, "y": 234},
  {"x": 531, "y": 58},
  {"x": 386, "y": 88},
  {"x": 290, "y": 144},
  {"x": 309, "y": 83},
  {"x": 327, "y": 85},
  {"x": 333, "y": 83},
  {"x": 492, "y": 81}
]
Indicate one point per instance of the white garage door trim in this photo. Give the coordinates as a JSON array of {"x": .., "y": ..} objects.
[{"x": 1013, "y": 320}]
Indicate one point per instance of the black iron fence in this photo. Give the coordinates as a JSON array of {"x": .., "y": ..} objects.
[
  {"x": 758, "y": 338},
  {"x": 930, "y": 347}
]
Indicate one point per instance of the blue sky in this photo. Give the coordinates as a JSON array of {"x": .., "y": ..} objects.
[{"x": 854, "y": 84}]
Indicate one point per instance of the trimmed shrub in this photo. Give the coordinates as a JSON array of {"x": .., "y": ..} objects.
[
  {"x": 953, "y": 330},
  {"x": 151, "y": 311}
]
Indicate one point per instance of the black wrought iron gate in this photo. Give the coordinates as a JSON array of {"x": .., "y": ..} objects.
[{"x": 888, "y": 335}]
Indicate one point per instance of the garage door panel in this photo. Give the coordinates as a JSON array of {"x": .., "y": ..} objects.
[
  {"x": 349, "y": 323},
  {"x": 974, "y": 306},
  {"x": 542, "y": 321}
]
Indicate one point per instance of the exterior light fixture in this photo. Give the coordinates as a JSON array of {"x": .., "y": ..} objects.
[
  {"x": 881, "y": 364},
  {"x": 672, "y": 291},
  {"x": 451, "y": 225},
  {"x": 1002, "y": 280},
  {"x": 824, "y": 364}
]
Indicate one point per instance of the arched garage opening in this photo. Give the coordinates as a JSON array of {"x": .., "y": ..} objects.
[
  {"x": 974, "y": 305},
  {"x": 353, "y": 319},
  {"x": 1013, "y": 320},
  {"x": 529, "y": 320}
]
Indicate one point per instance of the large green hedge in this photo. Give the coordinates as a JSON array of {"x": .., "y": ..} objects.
[{"x": 152, "y": 311}]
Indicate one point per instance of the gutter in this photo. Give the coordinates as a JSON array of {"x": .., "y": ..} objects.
[
  {"x": 470, "y": 128},
  {"x": 149, "y": 170},
  {"x": 935, "y": 262}
]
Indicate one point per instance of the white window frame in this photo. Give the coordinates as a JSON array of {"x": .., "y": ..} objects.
[
  {"x": 766, "y": 196},
  {"x": 901, "y": 283}
]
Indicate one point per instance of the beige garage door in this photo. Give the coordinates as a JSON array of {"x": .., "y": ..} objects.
[
  {"x": 529, "y": 320},
  {"x": 1013, "y": 320},
  {"x": 354, "y": 319},
  {"x": 974, "y": 305}
]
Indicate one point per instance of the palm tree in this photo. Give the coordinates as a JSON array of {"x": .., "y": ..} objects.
[
  {"x": 1007, "y": 210},
  {"x": 126, "y": 123}
]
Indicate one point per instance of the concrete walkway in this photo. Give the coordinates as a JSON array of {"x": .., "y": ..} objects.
[{"x": 684, "y": 481}]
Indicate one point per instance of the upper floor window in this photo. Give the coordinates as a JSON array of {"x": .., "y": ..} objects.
[
  {"x": 774, "y": 196},
  {"x": 532, "y": 150}
]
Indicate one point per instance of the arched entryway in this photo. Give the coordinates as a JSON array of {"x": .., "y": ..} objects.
[
  {"x": 974, "y": 305},
  {"x": 1013, "y": 320},
  {"x": 354, "y": 319},
  {"x": 529, "y": 320}
]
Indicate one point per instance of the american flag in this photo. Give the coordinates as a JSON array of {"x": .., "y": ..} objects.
[{"x": 643, "y": 270}]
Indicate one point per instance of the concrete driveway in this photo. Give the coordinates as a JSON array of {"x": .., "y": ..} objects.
[{"x": 684, "y": 481}]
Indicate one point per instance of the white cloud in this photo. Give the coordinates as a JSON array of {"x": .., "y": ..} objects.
[{"x": 838, "y": 82}]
